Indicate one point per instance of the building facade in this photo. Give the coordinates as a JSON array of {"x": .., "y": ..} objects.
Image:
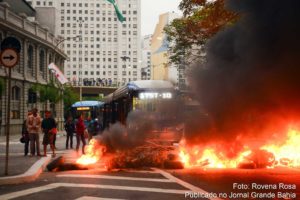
[
  {"x": 101, "y": 49},
  {"x": 161, "y": 69},
  {"x": 146, "y": 57},
  {"x": 38, "y": 49}
]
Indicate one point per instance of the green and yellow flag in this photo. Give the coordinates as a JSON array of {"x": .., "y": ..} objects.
[{"x": 121, "y": 18}]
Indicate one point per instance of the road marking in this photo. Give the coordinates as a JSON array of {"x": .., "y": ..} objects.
[
  {"x": 183, "y": 183},
  {"x": 108, "y": 187},
  {"x": 115, "y": 177},
  {"x": 95, "y": 198}
]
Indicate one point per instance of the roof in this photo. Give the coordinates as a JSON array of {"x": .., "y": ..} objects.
[
  {"x": 139, "y": 85},
  {"x": 87, "y": 103},
  {"x": 150, "y": 84},
  {"x": 20, "y": 6}
]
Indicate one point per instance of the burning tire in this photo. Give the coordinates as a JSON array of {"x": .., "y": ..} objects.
[{"x": 55, "y": 163}]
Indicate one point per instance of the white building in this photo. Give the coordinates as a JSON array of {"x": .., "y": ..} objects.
[
  {"x": 96, "y": 59},
  {"x": 146, "y": 57}
]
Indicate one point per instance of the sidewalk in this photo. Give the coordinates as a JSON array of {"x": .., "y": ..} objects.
[{"x": 22, "y": 168}]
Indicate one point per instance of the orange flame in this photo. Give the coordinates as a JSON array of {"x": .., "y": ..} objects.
[
  {"x": 286, "y": 154},
  {"x": 93, "y": 153}
]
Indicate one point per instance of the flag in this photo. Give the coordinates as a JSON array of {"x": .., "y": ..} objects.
[
  {"x": 58, "y": 74},
  {"x": 121, "y": 18}
]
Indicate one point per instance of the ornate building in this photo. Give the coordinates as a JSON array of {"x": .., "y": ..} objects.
[{"x": 38, "y": 49}]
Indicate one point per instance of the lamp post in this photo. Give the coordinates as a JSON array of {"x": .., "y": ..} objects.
[
  {"x": 81, "y": 61},
  {"x": 68, "y": 38}
]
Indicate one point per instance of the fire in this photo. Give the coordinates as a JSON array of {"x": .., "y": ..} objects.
[
  {"x": 286, "y": 154},
  {"x": 208, "y": 157},
  {"x": 93, "y": 153}
]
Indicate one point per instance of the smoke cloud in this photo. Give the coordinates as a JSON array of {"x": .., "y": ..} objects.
[{"x": 249, "y": 87}]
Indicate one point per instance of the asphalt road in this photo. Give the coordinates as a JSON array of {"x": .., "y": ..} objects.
[{"x": 279, "y": 183}]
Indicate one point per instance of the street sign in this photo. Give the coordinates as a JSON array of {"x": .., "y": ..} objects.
[
  {"x": 11, "y": 43},
  {"x": 9, "y": 57}
]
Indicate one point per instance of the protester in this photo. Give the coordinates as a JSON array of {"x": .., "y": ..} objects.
[
  {"x": 25, "y": 134},
  {"x": 33, "y": 127},
  {"x": 49, "y": 129},
  {"x": 80, "y": 128},
  {"x": 70, "y": 129}
]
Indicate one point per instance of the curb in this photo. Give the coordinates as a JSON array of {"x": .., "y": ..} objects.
[{"x": 30, "y": 175}]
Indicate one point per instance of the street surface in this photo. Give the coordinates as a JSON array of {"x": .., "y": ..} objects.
[{"x": 98, "y": 183}]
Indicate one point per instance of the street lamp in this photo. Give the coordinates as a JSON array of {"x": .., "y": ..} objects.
[
  {"x": 68, "y": 38},
  {"x": 81, "y": 61}
]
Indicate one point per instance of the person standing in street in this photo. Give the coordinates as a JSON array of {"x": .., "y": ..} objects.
[
  {"x": 70, "y": 129},
  {"x": 25, "y": 134},
  {"x": 33, "y": 126},
  {"x": 48, "y": 127},
  {"x": 80, "y": 128}
]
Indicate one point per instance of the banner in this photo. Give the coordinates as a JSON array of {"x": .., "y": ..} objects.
[{"x": 58, "y": 74}]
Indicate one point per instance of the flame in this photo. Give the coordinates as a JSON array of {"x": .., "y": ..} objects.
[
  {"x": 286, "y": 154},
  {"x": 93, "y": 153}
]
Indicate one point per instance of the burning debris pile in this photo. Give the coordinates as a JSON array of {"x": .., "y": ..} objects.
[{"x": 130, "y": 146}]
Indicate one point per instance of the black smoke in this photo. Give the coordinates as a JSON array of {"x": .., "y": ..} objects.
[{"x": 249, "y": 85}]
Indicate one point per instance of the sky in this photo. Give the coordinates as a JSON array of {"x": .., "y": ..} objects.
[{"x": 151, "y": 9}]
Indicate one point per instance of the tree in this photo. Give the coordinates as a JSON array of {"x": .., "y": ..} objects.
[
  {"x": 69, "y": 97},
  {"x": 49, "y": 92},
  {"x": 201, "y": 20}
]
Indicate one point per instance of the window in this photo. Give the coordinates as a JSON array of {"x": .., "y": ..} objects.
[
  {"x": 30, "y": 57},
  {"x": 42, "y": 61},
  {"x": 16, "y": 93}
]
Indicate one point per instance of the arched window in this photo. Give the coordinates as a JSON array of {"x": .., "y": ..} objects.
[
  {"x": 15, "y": 102},
  {"x": 15, "y": 93}
]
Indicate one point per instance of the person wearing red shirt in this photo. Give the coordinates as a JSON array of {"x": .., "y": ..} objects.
[{"x": 80, "y": 128}]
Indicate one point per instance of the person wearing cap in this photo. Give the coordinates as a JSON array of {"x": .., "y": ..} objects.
[
  {"x": 48, "y": 127},
  {"x": 34, "y": 127}
]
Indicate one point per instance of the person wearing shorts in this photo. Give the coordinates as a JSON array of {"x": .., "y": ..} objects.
[{"x": 48, "y": 124}]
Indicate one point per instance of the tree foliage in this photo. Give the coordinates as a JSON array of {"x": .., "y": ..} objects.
[
  {"x": 201, "y": 20},
  {"x": 49, "y": 92},
  {"x": 69, "y": 97}
]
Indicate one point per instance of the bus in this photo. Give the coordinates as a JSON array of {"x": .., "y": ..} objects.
[
  {"x": 88, "y": 109},
  {"x": 145, "y": 95}
]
